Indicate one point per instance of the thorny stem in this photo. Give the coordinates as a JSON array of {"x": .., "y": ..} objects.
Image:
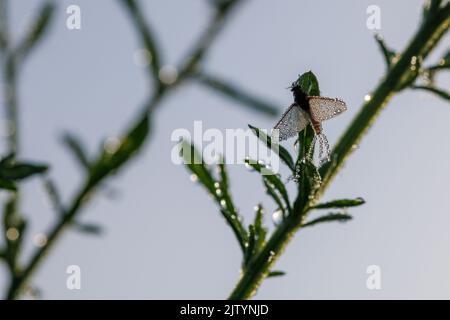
[
  {"x": 190, "y": 64},
  {"x": 426, "y": 38}
]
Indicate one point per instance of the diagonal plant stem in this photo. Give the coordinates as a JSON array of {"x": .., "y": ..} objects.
[{"x": 426, "y": 38}]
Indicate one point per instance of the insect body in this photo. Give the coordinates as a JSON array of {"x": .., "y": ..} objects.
[{"x": 308, "y": 109}]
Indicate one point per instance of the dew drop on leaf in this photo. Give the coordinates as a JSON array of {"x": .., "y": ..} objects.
[{"x": 277, "y": 216}]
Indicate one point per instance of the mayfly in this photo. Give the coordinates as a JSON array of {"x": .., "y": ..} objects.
[{"x": 309, "y": 109}]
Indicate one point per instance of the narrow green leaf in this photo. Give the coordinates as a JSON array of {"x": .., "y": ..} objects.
[
  {"x": 224, "y": 200},
  {"x": 147, "y": 36},
  {"x": 341, "y": 203},
  {"x": 259, "y": 215},
  {"x": 388, "y": 54},
  {"x": 441, "y": 93},
  {"x": 274, "y": 194},
  {"x": 37, "y": 30},
  {"x": 260, "y": 231},
  {"x": 250, "y": 245},
  {"x": 3, "y": 25},
  {"x": 7, "y": 185},
  {"x": 235, "y": 93},
  {"x": 9, "y": 213},
  {"x": 430, "y": 7},
  {"x": 220, "y": 4},
  {"x": 276, "y": 273},
  {"x": 110, "y": 161},
  {"x": 75, "y": 145},
  {"x": 19, "y": 171},
  {"x": 282, "y": 152},
  {"x": 272, "y": 179},
  {"x": 6, "y": 161},
  {"x": 332, "y": 217},
  {"x": 308, "y": 83},
  {"x": 444, "y": 63},
  {"x": 217, "y": 189},
  {"x": 222, "y": 191},
  {"x": 88, "y": 228},
  {"x": 54, "y": 195},
  {"x": 194, "y": 162}
]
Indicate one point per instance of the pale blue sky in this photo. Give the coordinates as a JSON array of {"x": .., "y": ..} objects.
[{"x": 164, "y": 237}]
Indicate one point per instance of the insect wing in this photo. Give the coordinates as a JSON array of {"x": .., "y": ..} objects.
[
  {"x": 292, "y": 121},
  {"x": 325, "y": 108}
]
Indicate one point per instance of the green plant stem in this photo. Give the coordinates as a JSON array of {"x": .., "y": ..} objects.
[
  {"x": 426, "y": 38},
  {"x": 259, "y": 268},
  {"x": 67, "y": 217},
  {"x": 12, "y": 123}
]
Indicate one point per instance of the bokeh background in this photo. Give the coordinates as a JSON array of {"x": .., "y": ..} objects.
[{"x": 163, "y": 237}]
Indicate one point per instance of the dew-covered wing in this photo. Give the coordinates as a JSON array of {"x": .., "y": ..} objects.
[
  {"x": 325, "y": 108},
  {"x": 292, "y": 121}
]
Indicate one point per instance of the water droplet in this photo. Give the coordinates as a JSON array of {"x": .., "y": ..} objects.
[
  {"x": 271, "y": 256},
  {"x": 219, "y": 192},
  {"x": 216, "y": 185},
  {"x": 40, "y": 240},
  {"x": 168, "y": 74},
  {"x": 277, "y": 216},
  {"x": 223, "y": 203},
  {"x": 256, "y": 208},
  {"x": 367, "y": 97},
  {"x": 193, "y": 177},
  {"x": 12, "y": 234},
  {"x": 111, "y": 145},
  {"x": 355, "y": 146},
  {"x": 142, "y": 57}
]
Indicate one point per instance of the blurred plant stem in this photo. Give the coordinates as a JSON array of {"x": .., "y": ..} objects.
[
  {"x": 140, "y": 131},
  {"x": 434, "y": 25}
]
